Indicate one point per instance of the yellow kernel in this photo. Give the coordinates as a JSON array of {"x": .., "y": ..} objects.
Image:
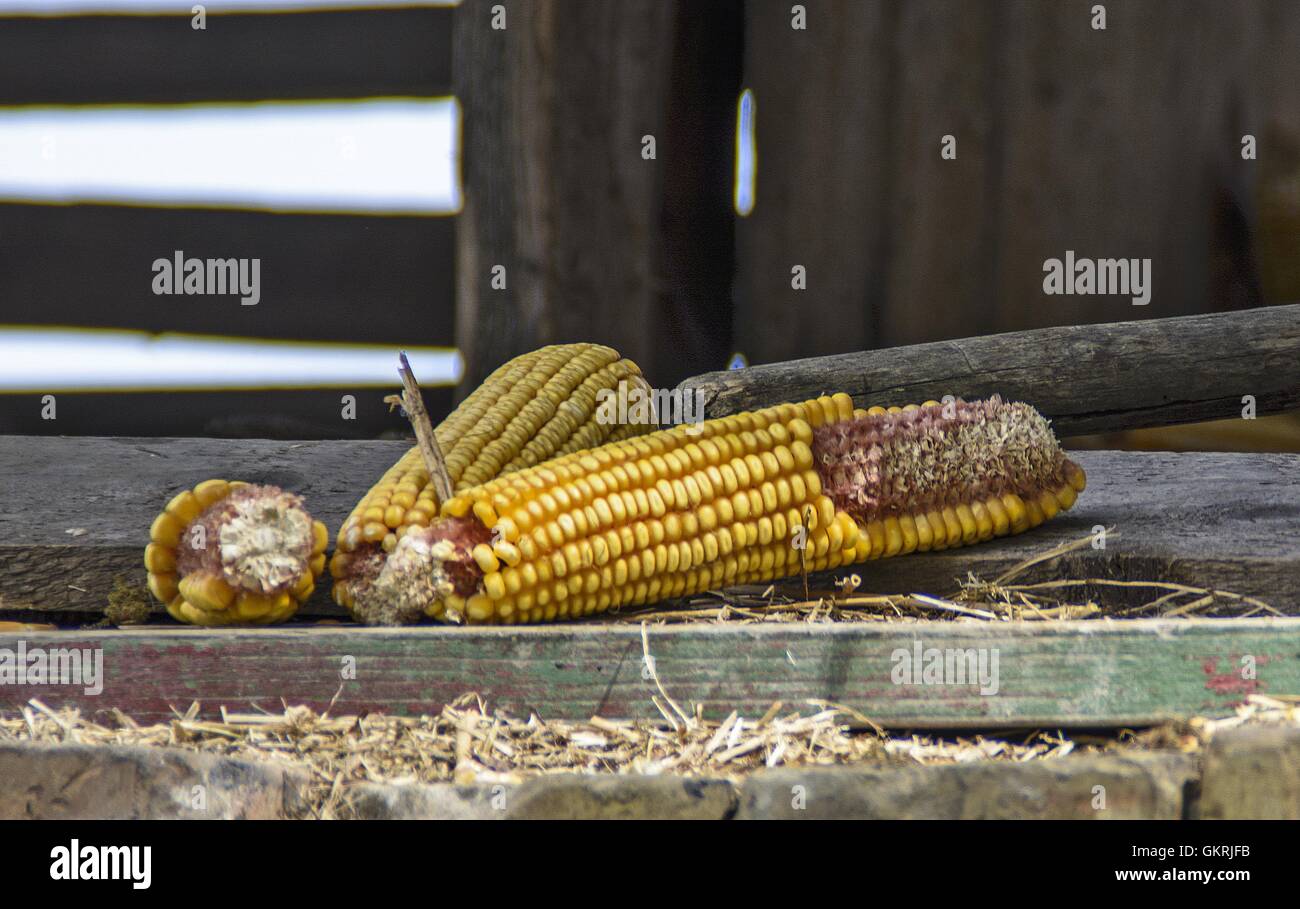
[
  {"x": 801, "y": 431},
  {"x": 1016, "y": 512},
  {"x": 911, "y": 539},
  {"x": 1047, "y": 502},
  {"x": 825, "y": 510},
  {"x": 507, "y": 529},
  {"x": 875, "y": 533},
  {"x": 843, "y": 406},
  {"x": 507, "y": 552},
  {"x": 952, "y": 527},
  {"x": 1066, "y": 496},
  {"x": 166, "y": 530},
  {"x": 983, "y": 520},
  {"x": 486, "y": 514},
  {"x": 485, "y": 557},
  {"x": 924, "y": 535},
  {"x": 998, "y": 515},
  {"x": 1034, "y": 512},
  {"x": 211, "y": 491},
  {"x": 185, "y": 507},
  {"x": 893, "y": 536},
  {"x": 163, "y": 585},
  {"x": 1075, "y": 476},
  {"x": 159, "y": 558},
  {"x": 478, "y": 608},
  {"x": 969, "y": 529},
  {"x": 457, "y": 506},
  {"x": 938, "y": 529}
]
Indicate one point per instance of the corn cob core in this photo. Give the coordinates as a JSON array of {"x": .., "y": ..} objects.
[
  {"x": 231, "y": 553},
  {"x": 748, "y": 498},
  {"x": 537, "y": 406},
  {"x": 890, "y": 465}
]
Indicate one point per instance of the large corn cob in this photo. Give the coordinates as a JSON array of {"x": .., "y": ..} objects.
[
  {"x": 233, "y": 553},
  {"x": 742, "y": 499},
  {"x": 537, "y": 406}
]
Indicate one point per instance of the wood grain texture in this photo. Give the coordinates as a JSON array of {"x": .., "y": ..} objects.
[
  {"x": 556, "y": 189},
  {"x": 904, "y": 246},
  {"x": 1069, "y": 674},
  {"x": 113, "y": 488},
  {"x": 1085, "y": 378},
  {"x": 1211, "y": 520},
  {"x": 818, "y": 92},
  {"x": 239, "y": 57}
]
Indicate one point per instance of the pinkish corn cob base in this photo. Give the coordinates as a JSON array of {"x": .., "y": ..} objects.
[{"x": 940, "y": 456}]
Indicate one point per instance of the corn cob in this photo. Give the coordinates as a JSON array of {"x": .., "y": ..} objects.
[
  {"x": 748, "y": 498},
  {"x": 233, "y": 553},
  {"x": 537, "y": 406}
]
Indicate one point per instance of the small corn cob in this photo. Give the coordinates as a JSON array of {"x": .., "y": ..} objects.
[
  {"x": 537, "y": 406},
  {"x": 749, "y": 498},
  {"x": 229, "y": 553}
]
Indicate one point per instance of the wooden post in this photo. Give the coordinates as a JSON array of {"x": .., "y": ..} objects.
[
  {"x": 698, "y": 222},
  {"x": 557, "y": 240},
  {"x": 822, "y": 98}
]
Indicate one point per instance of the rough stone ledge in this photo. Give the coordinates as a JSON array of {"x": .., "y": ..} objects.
[
  {"x": 1251, "y": 772},
  {"x": 1143, "y": 785},
  {"x": 560, "y": 796},
  {"x": 111, "y": 782}
]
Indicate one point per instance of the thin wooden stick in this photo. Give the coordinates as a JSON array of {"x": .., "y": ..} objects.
[{"x": 413, "y": 404}]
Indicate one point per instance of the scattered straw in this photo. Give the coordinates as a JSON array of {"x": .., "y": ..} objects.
[
  {"x": 467, "y": 742},
  {"x": 974, "y": 600}
]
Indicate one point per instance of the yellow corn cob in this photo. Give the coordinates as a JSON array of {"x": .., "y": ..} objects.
[
  {"x": 229, "y": 553},
  {"x": 748, "y": 498},
  {"x": 538, "y": 405}
]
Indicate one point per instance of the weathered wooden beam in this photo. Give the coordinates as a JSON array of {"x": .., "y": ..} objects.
[
  {"x": 1086, "y": 378},
  {"x": 75, "y": 514},
  {"x": 557, "y": 240},
  {"x": 237, "y": 57},
  {"x": 1067, "y": 674},
  {"x": 823, "y": 97}
]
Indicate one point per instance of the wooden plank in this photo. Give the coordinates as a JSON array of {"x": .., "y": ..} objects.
[
  {"x": 1075, "y": 174},
  {"x": 250, "y": 57},
  {"x": 354, "y": 278},
  {"x": 1085, "y": 378},
  {"x": 285, "y": 414},
  {"x": 821, "y": 95},
  {"x": 556, "y": 190},
  {"x": 943, "y": 213},
  {"x": 112, "y": 489},
  {"x": 905, "y": 247},
  {"x": 1059, "y": 675},
  {"x": 1209, "y": 520}
]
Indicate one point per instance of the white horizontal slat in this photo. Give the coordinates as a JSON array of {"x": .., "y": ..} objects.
[
  {"x": 47, "y": 360},
  {"x": 377, "y": 156}
]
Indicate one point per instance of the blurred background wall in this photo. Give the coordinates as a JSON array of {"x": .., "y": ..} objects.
[{"x": 1122, "y": 141}]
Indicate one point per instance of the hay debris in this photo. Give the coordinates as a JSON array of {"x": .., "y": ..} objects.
[
  {"x": 468, "y": 742},
  {"x": 974, "y": 599}
]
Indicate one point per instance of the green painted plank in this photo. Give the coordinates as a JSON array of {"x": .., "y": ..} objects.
[{"x": 1066, "y": 674}]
